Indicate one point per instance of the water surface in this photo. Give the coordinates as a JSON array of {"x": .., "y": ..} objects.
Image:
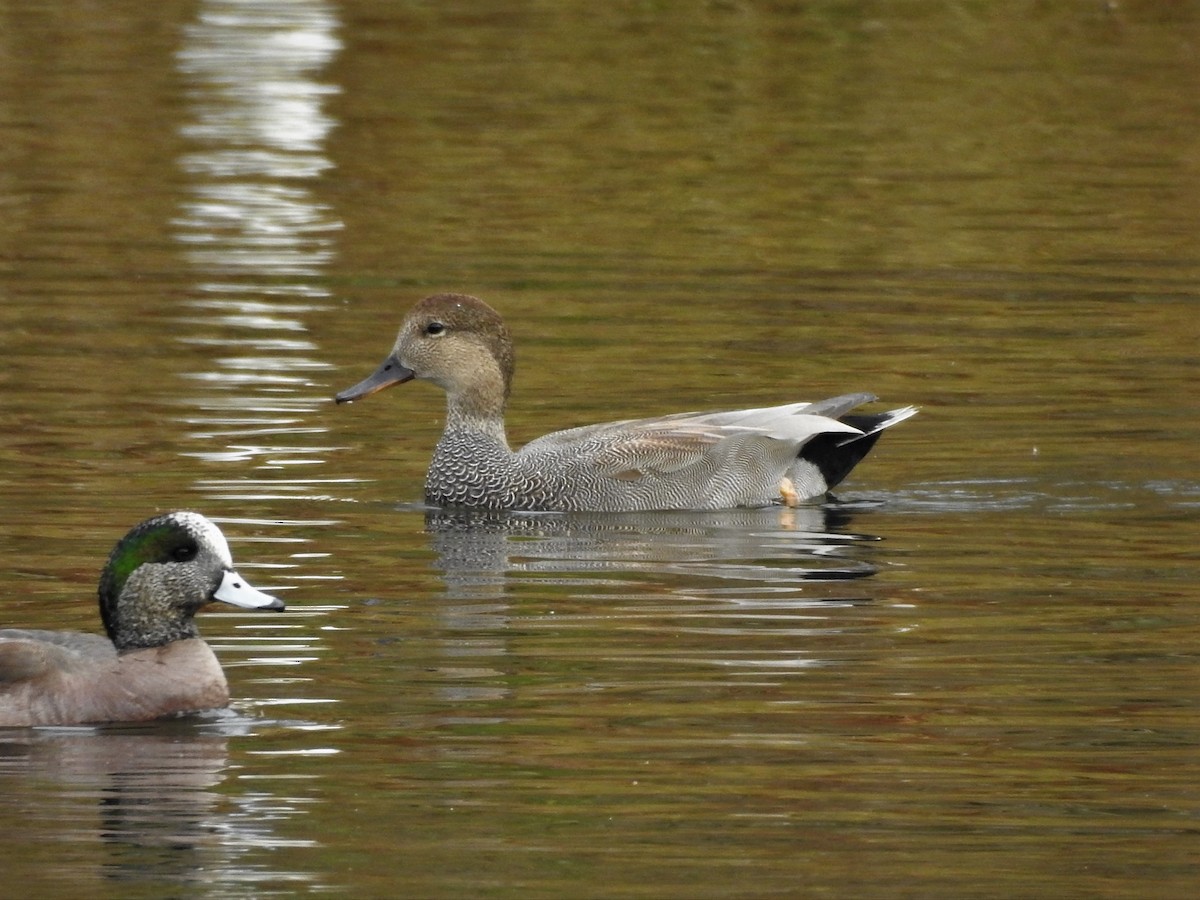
[{"x": 971, "y": 674}]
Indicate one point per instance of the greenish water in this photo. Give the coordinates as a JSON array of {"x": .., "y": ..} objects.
[{"x": 974, "y": 676}]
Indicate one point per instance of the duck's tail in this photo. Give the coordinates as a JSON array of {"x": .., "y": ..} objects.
[{"x": 835, "y": 455}]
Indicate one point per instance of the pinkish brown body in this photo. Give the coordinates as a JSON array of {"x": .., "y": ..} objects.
[
  {"x": 63, "y": 683},
  {"x": 153, "y": 662}
]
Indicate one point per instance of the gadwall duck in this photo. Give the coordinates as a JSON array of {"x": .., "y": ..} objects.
[
  {"x": 153, "y": 662},
  {"x": 717, "y": 460}
]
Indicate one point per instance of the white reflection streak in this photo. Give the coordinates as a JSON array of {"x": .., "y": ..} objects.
[
  {"x": 257, "y": 240},
  {"x": 250, "y": 226},
  {"x": 258, "y": 114}
]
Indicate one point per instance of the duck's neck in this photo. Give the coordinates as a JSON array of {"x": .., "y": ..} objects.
[
  {"x": 145, "y": 616},
  {"x": 477, "y": 428},
  {"x": 472, "y": 464},
  {"x": 479, "y": 411}
]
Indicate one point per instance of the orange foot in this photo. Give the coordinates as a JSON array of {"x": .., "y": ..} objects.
[{"x": 787, "y": 491}]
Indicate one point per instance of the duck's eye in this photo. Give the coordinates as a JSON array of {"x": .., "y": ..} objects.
[
  {"x": 435, "y": 328},
  {"x": 184, "y": 553}
]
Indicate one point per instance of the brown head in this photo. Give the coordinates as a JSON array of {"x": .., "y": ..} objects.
[{"x": 460, "y": 344}]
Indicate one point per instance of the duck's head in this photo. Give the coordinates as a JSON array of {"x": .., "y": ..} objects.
[
  {"x": 456, "y": 341},
  {"x": 161, "y": 573}
]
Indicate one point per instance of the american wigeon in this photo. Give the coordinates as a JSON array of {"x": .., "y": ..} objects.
[{"x": 153, "y": 662}]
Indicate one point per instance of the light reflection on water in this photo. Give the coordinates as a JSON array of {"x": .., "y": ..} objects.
[
  {"x": 257, "y": 243},
  {"x": 991, "y": 495},
  {"x": 256, "y": 237}
]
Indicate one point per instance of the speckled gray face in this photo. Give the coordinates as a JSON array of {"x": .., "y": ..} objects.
[{"x": 164, "y": 570}]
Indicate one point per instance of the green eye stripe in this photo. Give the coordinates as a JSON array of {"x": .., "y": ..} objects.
[{"x": 153, "y": 545}]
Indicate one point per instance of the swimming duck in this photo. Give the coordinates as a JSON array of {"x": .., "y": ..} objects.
[
  {"x": 716, "y": 460},
  {"x": 153, "y": 662}
]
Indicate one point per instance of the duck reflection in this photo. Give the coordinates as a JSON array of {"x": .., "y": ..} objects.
[
  {"x": 752, "y": 550},
  {"x": 701, "y": 583},
  {"x": 147, "y": 794}
]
